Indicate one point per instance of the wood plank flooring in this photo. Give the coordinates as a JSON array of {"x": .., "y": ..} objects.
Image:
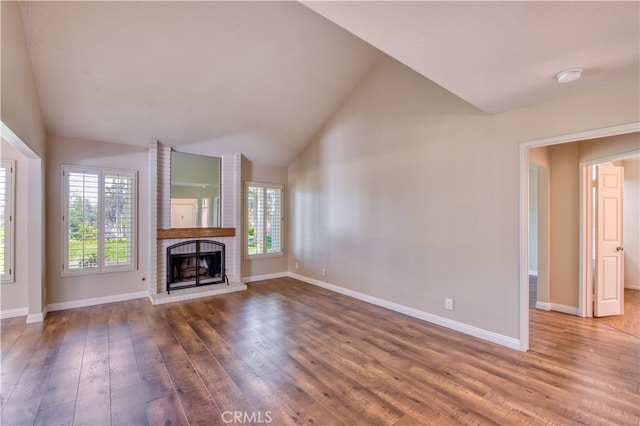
[
  {"x": 284, "y": 352},
  {"x": 630, "y": 321}
]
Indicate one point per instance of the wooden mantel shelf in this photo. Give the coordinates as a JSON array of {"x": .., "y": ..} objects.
[{"x": 176, "y": 233}]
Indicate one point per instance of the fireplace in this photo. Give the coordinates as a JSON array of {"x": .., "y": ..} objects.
[{"x": 195, "y": 263}]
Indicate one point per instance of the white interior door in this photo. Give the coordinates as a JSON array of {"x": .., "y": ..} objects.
[{"x": 609, "y": 285}]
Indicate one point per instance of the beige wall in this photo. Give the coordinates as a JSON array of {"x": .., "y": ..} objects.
[
  {"x": 533, "y": 219},
  {"x": 631, "y": 223},
  {"x": 263, "y": 174},
  {"x": 14, "y": 295},
  {"x": 595, "y": 149},
  {"x": 394, "y": 199},
  {"x": 411, "y": 195},
  {"x": 564, "y": 283},
  {"x": 88, "y": 153}
]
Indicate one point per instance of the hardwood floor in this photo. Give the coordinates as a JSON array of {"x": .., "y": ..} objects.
[
  {"x": 630, "y": 321},
  {"x": 285, "y": 352}
]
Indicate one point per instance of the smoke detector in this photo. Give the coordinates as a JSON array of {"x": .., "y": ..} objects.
[{"x": 568, "y": 76}]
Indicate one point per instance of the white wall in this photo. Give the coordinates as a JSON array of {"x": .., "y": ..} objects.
[
  {"x": 387, "y": 197},
  {"x": 99, "y": 154},
  {"x": 253, "y": 269},
  {"x": 14, "y": 295},
  {"x": 21, "y": 114},
  {"x": 631, "y": 223},
  {"x": 20, "y": 105}
]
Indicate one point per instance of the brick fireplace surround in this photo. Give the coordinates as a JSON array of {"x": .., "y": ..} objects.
[{"x": 160, "y": 237}]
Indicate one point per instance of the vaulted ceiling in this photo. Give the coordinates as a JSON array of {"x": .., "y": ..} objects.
[
  {"x": 261, "y": 78},
  {"x": 500, "y": 55}
]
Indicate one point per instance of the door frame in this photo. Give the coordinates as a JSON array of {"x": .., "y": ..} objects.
[{"x": 524, "y": 212}]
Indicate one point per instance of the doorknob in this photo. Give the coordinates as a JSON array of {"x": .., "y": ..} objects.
[{"x": 619, "y": 248}]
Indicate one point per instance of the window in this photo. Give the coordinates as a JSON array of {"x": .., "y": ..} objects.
[
  {"x": 264, "y": 220},
  {"x": 7, "y": 189},
  {"x": 99, "y": 220}
]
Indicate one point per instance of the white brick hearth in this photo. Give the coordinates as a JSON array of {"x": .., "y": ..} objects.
[{"x": 159, "y": 195}]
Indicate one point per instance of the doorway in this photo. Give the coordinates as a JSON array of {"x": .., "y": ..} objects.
[
  {"x": 595, "y": 219},
  {"x": 525, "y": 148}
]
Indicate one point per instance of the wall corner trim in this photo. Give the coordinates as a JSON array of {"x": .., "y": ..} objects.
[
  {"x": 39, "y": 317},
  {"x": 480, "y": 333}
]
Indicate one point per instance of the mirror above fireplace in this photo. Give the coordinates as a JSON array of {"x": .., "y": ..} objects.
[{"x": 195, "y": 191}]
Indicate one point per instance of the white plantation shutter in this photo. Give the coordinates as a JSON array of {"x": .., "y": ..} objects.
[
  {"x": 264, "y": 228},
  {"x": 82, "y": 219},
  {"x": 99, "y": 220},
  {"x": 118, "y": 219},
  {"x": 255, "y": 210},
  {"x": 6, "y": 220},
  {"x": 273, "y": 220}
]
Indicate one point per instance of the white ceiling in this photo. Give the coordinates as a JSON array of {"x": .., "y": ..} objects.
[
  {"x": 262, "y": 77},
  {"x": 500, "y": 55},
  {"x": 210, "y": 77}
]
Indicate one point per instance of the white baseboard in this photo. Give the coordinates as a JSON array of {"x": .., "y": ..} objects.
[
  {"x": 12, "y": 313},
  {"x": 632, "y": 286},
  {"x": 96, "y": 301},
  {"x": 264, "y": 277},
  {"x": 480, "y": 333},
  {"x": 533, "y": 273},
  {"x": 571, "y": 310},
  {"x": 543, "y": 306}
]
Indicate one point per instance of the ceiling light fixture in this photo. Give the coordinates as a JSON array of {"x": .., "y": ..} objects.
[{"x": 569, "y": 75}]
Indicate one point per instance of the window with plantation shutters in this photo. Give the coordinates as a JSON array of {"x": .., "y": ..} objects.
[
  {"x": 118, "y": 219},
  {"x": 6, "y": 220},
  {"x": 99, "y": 220},
  {"x": 264, "y": 220}
]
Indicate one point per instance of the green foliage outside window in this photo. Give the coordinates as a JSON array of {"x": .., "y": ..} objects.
[{"x": 100, "y": 220}]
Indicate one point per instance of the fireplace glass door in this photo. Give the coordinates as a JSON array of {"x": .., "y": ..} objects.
[{"x": 195, "y": 263}]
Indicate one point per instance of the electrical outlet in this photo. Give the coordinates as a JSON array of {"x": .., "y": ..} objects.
[
  {"x": 296, "y": 265},
  {"x": 324, "y": 272},
  {"x": 448, "y": 304}
]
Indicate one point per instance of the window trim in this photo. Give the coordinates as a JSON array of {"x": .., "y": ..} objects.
[
  {"x": 102, "y": 268},
  {"x": 245, "y": 239},
  {"x": 9, "y": 236}
]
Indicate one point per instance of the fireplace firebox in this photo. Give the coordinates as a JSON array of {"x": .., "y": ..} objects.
[{"x": 195, "y": 263}]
